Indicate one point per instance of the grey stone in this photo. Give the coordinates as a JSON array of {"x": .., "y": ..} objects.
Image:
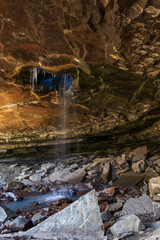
[
  {"x": 47, "y": 236},
  {"x": 35, "y": 177},
  {"x": 24, "y": 176},
  {"x": 106, "y": 216},
  {"x": 139, "y": 206},
  {"x": 19, "y": 224},
  {"x": 80, "y": 218},
  {"x": 6, "y": 213},
  {"x": 7, "y": 223},
  {"x": 13, "y": 165},
  {"x": 39, "y": 171},
  {"x": 38, "y": 217},
  {"x": 24, "y": 170},
  {"x": 66, "y": 176},
  {"x": 59, "y": 167},
  {"x": 126, "y": 224},
  {"x": 23, "y": 166},
  {"x": 2, "y": 183},
  {"x": 3, "y": 214},
  {"x": 114, "y": 207},
  {"x": 155, "y": 225},
  {"x": 75, "y": 165},
  {"x": 47, "y": 166},
  {"x": 27, "y": 182},
  {"x": 153, "y": 235},
  {"x": 156, "y": 210},
  {"x": 42, "y": 174}
]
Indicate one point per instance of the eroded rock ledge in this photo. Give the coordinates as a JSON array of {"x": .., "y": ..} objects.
[{"x": 111, "y": 109}]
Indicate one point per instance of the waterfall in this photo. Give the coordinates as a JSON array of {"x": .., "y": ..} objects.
[
  {"x": 33, "y": 77},
  {"x": 64, "y": 116},
  {"x": 62, "y": 83}
]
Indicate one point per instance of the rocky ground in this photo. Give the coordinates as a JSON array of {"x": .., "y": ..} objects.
[{"x": 127, "y": 188}]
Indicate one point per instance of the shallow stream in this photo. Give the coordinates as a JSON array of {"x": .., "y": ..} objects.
[{"x": 41, "y": 200}]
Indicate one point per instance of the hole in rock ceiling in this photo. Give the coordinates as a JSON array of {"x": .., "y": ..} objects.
[{"x": 44, "y": 81}]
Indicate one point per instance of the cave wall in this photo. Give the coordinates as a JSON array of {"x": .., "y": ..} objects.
[
  {"x": 52, "y": 33},
  {"x": 111, "y": 48}
]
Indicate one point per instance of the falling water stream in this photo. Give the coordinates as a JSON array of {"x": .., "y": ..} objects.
[
  {"x": 64, "y": 118},
  {"x": 63, "y": 84}
]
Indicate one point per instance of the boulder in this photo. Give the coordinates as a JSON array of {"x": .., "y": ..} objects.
[
  {"x": 19, "y": 224},
  {"x": 2, "y": 182},
  {"x": 6, "y": 213},
  {"x": 35, "y": 177},
  {"x": 153, "y": 235},
  {"x": 106, "y": 172},
  {"x": 122, "y": 163},
  {"x": 154, "y": 188},
  {"x": 114, "y": 207},
  {"x": 27, "y": 182},
  {"x": 126, "y": 224},
  {"x": 37, "y": 218},
  {"x": 46, "y": 236},
  {"x": 22, "y": 176},
  {"x": 47, "y": 166},
  {"x": 67, "y": 176},
  {"x": 106, "y": 216},
  {"x": 81, "y": 218},
  {"x": 139, "y": 166},
  {"x": 150, "y": 173},
  {"x": 156, "y": 210},
  {"x": 139, "y": 153},
  {"x": 139, "y": 206},
  {"x": 13, "y": 165}
]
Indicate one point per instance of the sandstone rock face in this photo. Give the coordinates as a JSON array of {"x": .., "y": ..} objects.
[
  {"x": 77, "y": 34},
  {"x": 154, "y": 188},
  {"x": 80, "y": 218},
  {"x": 123, "y": 33}
]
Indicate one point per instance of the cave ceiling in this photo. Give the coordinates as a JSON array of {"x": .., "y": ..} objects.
[
  {"x": 110, "y": 47},
  {"x": 54, "y": 33}
]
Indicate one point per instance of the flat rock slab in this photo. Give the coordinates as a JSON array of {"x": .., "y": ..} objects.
[
  {"x": 129, "y": 179},
  {"x": 139, "y": 153},
  {"x": 46, "y": 236},
  {"x": 81, "y": 218},
  {"x": 67, "y": 176},
  {"x": 139, "y": 206}
]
